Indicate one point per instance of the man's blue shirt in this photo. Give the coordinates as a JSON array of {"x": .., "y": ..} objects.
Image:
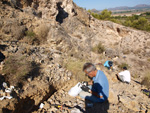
[{"x": 101, "y": 85}]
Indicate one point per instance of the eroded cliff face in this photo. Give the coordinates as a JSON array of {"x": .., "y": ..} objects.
[{"x": 51, "y": 32}]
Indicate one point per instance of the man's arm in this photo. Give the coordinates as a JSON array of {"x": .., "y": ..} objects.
[
  {"x": 95, "y": 94},
  {"x": 90, "y": 82}
]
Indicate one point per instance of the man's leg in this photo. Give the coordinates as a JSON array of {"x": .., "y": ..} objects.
[
  {"x": 89, "y": 96},
  {"x": 121, "y": 78},
  {"x": 84, "y": 94}
]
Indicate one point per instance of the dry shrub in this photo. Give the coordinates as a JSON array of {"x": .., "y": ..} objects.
[
  {"x": 14, "y": 29},
  {"x": 42, "y": 32},
  {"x": 31, "y": 38},
  {"x": 137, "y": 51},
  {"x": 98, "y": 48},
  {"x": 16, "y": 68},
  {"x": 148, "y": 59},
  {"x": 136, "y": 75},
  {"x": 146, "y": 80},
  {"x": 126, "y": 51}
]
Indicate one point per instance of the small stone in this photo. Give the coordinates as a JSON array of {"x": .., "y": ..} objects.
[
  {"x": 29, "y": 79},
  {"x": 69, "y": 103},
  {"x": 69, "y": 74}
]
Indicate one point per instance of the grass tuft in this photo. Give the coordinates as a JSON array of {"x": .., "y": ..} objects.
[
  {"x": 146, "y": 80},
  {"x": 75, "y": 66},
  {"x": 98, "y": 48},
  {"x": 123, "y": 65}
]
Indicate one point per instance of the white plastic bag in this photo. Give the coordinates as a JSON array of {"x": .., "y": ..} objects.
[
  {"x": 41, "y": 105},
  {"x": 74, "y": 91}
]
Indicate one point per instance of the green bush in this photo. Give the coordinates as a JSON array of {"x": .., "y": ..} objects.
[
  {"x": 115, "y": 20},
  {"x": 96, "y": 15},
  {"x": 141, "y": 23},
  {"x": 105, "y": 14},
  {"x": 148, "y": 27},
  {"x": 146, "y": 80},
  {"x": 98, "y": 48},
  {"x": 128, "y": 23}
]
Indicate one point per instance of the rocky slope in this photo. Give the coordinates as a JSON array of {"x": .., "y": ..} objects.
[{"x": 52, "y": 33}]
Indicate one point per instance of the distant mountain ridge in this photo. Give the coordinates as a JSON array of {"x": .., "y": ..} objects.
[{"x": 139, "y": 6}]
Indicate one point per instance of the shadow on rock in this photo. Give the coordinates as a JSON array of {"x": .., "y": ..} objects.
[
  {"x": 35, "y": 72},
  {"x": 2, "y": 47},
  {"x": 5, "y": 110},
  {"x": 61, "y": 13},
  {"x": 2, "y": 79},
  {"x": 2, "y": 57},
  {"x": 96, "y": 107},
  {"x": 24, "y": 105}
]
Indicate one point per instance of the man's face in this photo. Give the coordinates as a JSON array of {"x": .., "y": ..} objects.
[{"x": 90, "y": 74}]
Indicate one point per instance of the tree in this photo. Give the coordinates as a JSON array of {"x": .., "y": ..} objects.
[
  {"x": 128, "y": 23},
  {"x": 148, "y": 27},
  {"x": 95, "y": 15},
  {"x": 141, "y": 23},
  {"x": 89, "y": 11},
  {"x": 105, "y": 14}
]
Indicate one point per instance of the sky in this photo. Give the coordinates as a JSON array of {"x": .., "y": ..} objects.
[{"x": 104, "y": 4}]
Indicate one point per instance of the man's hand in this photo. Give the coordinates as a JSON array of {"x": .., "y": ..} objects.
[
  {"x": 85, "y": 88},
  {"x": 85, "y": 83}
]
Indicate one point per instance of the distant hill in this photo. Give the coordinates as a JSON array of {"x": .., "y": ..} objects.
[{"x": 139, "y": 7}]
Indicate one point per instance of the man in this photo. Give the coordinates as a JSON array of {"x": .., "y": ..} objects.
[
  {"x": 124, "y": 76},
  {"x": 98, "y": 91},
  {"x": 108, "y": 64}
]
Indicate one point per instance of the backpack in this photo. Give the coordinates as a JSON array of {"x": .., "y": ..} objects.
[
  {"x": 110, "y": 63},
  {"x": 146, "y": 92}
]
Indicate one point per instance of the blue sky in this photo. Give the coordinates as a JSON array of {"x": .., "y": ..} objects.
[{"x": 104, "y": 4}]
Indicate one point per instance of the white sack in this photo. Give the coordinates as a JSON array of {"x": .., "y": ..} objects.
[{"x": 74, "y": 91}]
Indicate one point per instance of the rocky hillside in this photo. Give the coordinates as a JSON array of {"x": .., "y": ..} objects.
[{"x": 52, "y": 37}]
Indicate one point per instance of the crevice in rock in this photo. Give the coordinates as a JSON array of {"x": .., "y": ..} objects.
[
  {"x": 2, "y": 57},
  {"x": 62, "y": 14},
  {"x": 118, "y": 30},
  {"x": 27, "y": 105},
  {"x": 5, "y": 110}
]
